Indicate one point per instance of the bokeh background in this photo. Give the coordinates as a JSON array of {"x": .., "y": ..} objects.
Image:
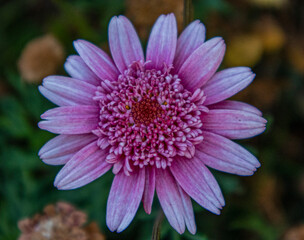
[{"x": 268, "y": 35}]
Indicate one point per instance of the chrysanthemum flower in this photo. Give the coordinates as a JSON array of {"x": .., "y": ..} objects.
[{"x": 156, "y": 121}]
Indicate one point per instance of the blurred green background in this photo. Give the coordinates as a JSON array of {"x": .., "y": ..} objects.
[{"x": 264, "y": 34}]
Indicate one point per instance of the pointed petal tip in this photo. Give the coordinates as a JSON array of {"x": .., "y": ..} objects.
[
  {"x": 216, "y": 212},
  {"x": 114, "y": 18},
  {"x": 65, "y": 187},
  {"x": 60, "y": 185},
  {"x": 148, "y": 210},
  {"x": 111, "y": 228},
  {"x": 40, "y": 88},
  {"x": 113, "y": 21},
  {"x": 257, "y": 165},
  {"x": 192, "y": 230},
  {"x": 41, "y": 153},
  {"x": 124, "y": 18},
  {"x": 41, "y": 123},
  {"x": 114, "y": 228},
  {"x": 56, "y": 184},
  {"x": 47, "y": 79},
  {"x": 42, "y": 116},
  {"x": 217, "y": 40},
  {"x": 172, "y": 17},
  {"x": 69, "y": 58},
  {"x": 79, "y": 44},
  {"x": 180, "y": 230},
  {"x": 121, "y": 228},
  {"x": 44, "y": 160},
  {"x": 258, "y": 131},
  {"x": 221, "y": 202}
]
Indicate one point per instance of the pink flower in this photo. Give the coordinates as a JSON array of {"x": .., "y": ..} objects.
[{"x": 157, "y": 121}]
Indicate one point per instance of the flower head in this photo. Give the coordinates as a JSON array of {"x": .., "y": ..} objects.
[{"x": 156, "y": 121}]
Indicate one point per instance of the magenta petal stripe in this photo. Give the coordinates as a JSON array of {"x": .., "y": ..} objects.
[
  {"x": 70, "y": 120},
  {"x": 200, "y": 184},
  {"x": 236, "y": 105},
  {"x": 85, "y": 166},
  {"x": 124, "y": 198},
  {"x": 188, "y": 210},
  {"x": 190, "y": 39},
  {"x": 97, "y": 60},
  {"x": 75, "y": 92},
  {"x": 59, "y": 150},
  {"x": 202, "y": 64},
  {"x": 170, "y": 199},
  {"x": 124, "y": 43},
  {"x": 149, "y": 189},
  {"x": 222, "y": 154},
  {"x": 77, "y": 68},
  {"x": 162, "y": 42},
  {"x": 226, "y": 83},
  {"x": 233, "y": 124}
]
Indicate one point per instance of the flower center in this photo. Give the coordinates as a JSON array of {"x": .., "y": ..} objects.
[
  {"x": 148, "y": 118},
  {"x": 146, "y": 111}
]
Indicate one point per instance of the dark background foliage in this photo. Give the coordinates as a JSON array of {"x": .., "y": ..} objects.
[{"x": 264, "y": 34}]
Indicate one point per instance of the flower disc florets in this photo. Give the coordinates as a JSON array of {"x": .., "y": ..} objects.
[{"x": 148, "y": 118}]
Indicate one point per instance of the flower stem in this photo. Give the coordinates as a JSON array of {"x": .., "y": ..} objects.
[
  {"x": 157, "y": 226},
  {"x": 188, "y": 14}
]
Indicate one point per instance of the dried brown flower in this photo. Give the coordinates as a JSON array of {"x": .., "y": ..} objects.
[
  {"x": 59, "y": 222},
  {"x": 40, "y": 57}
]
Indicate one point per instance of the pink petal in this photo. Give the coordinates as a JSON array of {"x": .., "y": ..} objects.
[
  {"x": 84, "y": 167},
  {"x": 124, "y": 198},
  {"x": 60, "y": 149},
  {"x": 170, "y": 199},
  {"x": 202, "y": 64},
  {"x": 162, "y": 42},
  {"x": 188, "y": 210},
  {"x": 190, "y": 39},
  {"x": 198, "y": 182},
  {"x": 97, "y": 60},
  {"x": 55, "y": 98},
  {"x": 226, "y": 83},
  {"x": 149, "y": 189},
  {"x": 70, "y": 120},
  {"x": 236, "y": 105},
  {"x": 224, "y": 155},
  {"x": 65, "y": 91},
  {"x": 77, "y": 68},
  {"x": 124, "y": 43},
  {"x": 233, "y": 124}
]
